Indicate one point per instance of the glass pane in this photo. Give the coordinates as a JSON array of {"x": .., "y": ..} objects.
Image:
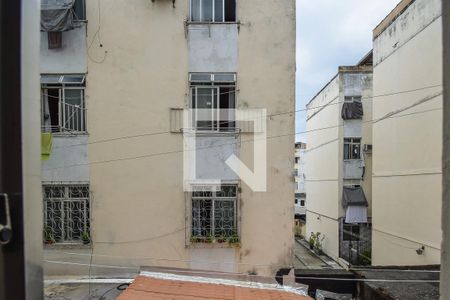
[
  {"x": 79, "y": 10},
  {"x": 207, "y": 7},
  {"x": 224, "y": 78},
  {"x": 218, "y": 10},
  {"x": 49, "y": 79},
  {"x": 200, "y": 77},
  {"x": 75, "y": 79},
  {"x": 73, "y": 110},
  {"x": 195, "y": 10},
  {"x": 204, "y": 106},
  {"x": 230, "y": 10},
  {"x": 201, "y": 218},
  {"x": 224, "y": 218},
  {"x": 346, "y": 151}
]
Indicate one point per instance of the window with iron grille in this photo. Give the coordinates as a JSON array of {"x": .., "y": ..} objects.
[
  {"x": 213, "y": 11},
  {"x": 66, "y": 213},
  {"x": 214, "y": 213},
  {"x": 63, "y": 105},
  {"x": 213, "y": 101},
  {"x": 352, "y": 148}
]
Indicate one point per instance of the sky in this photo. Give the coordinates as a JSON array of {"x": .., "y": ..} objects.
[{"x": 331, "y": 33}]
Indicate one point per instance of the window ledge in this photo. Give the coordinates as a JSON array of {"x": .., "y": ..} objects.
[
  {"x": 212, "y": 245},
  {"x": 212, "y": 23},
  {"x": 61, "y": 246},
  {"x": 67, "y": 134}
]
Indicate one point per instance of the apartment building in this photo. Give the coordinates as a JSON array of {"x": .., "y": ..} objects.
[
  {"x": 407, "y": 135},
  {"x": 300, "y": 192},
  {"x": 299, "y": 177},
  {"x": 339, "y": 162},
  {"x": 155, "y": 76}
]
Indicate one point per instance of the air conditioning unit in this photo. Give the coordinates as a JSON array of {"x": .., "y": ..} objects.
[{"x": 368, "y": 148}]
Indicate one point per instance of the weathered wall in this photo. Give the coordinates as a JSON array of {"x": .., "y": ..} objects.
[
  {"x": 213, "y": 48},
  {"x": 71, "y": 58},
  {"x": 138, "y": 203},
  {"x": 407, "y": 154},
  {"x": 266, "y": 74},
  {"x": 68, "y": 161},
  {"x": 323, "y": 165}
]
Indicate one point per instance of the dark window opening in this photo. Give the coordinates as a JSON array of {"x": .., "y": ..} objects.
[
  {"x": 351, "y": 232},
  {"x": 79, "y": 10},
  {"x": 352, "y": 148},
  {"x": 230, "y": 10}
]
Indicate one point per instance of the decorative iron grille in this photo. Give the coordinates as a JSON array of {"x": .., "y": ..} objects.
[
  {"x": 214, "y": 212},
  {"x": 66, "y": 213}
]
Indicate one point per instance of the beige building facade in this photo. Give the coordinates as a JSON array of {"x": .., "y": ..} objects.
[
  {"x": 146, "y": 64},
  {"x": 338, "y": 164},
  {"x": 407, "y": 135}
]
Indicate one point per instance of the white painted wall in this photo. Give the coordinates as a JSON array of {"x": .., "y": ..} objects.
[
  {"x": 68, "y": 161},
  {"x": 71, "y": 58},
  {"x": 407, "y": 147}
]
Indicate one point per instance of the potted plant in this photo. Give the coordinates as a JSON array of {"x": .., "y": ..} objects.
[
  {"x": 234, "y": 239},
  {"x": 312, "y": 240},
  {"x": 85, "y": 238},
  {"x": 209, "y": 239},
  {"x": 221, "y": 239},
  {"x": 318, "y": 243},
  {"x": 48, "y": 236}
]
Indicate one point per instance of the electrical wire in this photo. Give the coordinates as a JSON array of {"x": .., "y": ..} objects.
[
  {"x": 268, "y": 116},
  {"x": 219, "y": 145}
]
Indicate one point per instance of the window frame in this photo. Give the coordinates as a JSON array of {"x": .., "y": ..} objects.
[
  {"x": 351, "y": 145},
  {"x": 216, "y": 86},
  {"x": 213, "y": 13},
  {"x": 62, "y": 199},
  {"x": 213, "y": 197},
  {"x": 62, "y": 87}
]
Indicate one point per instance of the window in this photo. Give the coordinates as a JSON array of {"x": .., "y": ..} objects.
[
  {"x": 66, "y": 213},
  {"x": 351, "y": 232},
  {"x": 213, "y": 11},
  {"x": 352, "y": 99},
  {"x": 79, "y": 9},
  {"x": 302, "y": 203},
  {"x": 63, "y": 107},
  {"x": 214, "y": 212},
  {"x": 296, "y": 201},
  {"x": 213, "y": 101},
  {"x": 352, "y": 148}
]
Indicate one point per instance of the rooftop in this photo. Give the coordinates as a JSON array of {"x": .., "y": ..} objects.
[
  {"x": 170, "y": 287},
  {"x": 391, "y": 17}
]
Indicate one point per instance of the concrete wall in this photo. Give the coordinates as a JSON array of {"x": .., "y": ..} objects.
[
  {"x": 68, "y": 161},
  {"x": 323, "y": 166},
  {"x": 213, "y": 48},
  {"x": 70, "y": 58},
  {"x": 138, "y": 203},
  {"x": 407, "y": 146}
]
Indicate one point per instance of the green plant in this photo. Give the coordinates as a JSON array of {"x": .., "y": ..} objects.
[
  {"x": 318, "y": 242},
  {"x": 196, "y": 239},
  {"x": 366, "y": 257},
  {"x": 312, "y": 240},
  {"x": 209, "y": 239},
  {"x": 48, "y": 235},
  {"x": 234, "y": 239},
  {"x": 85, "y": 238}
]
